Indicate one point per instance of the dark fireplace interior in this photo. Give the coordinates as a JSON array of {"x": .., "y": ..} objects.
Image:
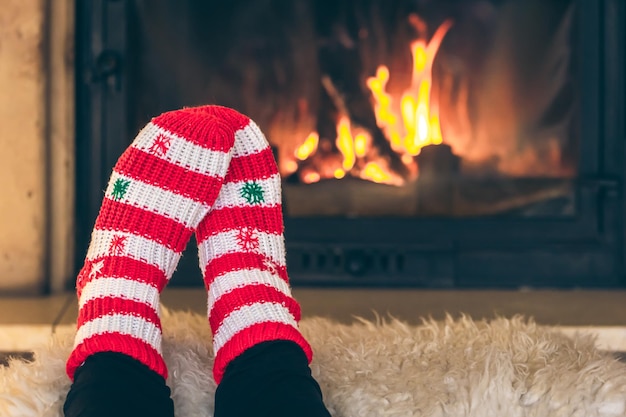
[{"x": 448, "y": 143}]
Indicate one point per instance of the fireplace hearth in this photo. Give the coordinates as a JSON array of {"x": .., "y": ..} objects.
[{"x": 466, "y": 144}]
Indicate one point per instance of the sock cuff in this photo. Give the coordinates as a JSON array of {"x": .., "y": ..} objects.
[
  {"x": 112, "y": 341},
  {"x": 255, "y": 335}
]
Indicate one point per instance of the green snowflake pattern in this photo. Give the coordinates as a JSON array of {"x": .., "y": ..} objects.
[
  {"x": 120, "y": 187},
  {"x": 252, "y": 192}
]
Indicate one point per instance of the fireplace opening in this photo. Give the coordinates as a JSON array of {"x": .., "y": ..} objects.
[
  {"x": 438, "y": 143},
  {"x": 382, "y": 108}
]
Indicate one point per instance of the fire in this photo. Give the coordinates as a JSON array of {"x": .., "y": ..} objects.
[
  {"x": 339, "y": 173},
  {"x": 311, "y": 177},
  {"x": 419, "y": 123},
  {"x": 345, "y": 143},
  {"x": 376, "y": 173},
  {"x": 308, "y": 147},
  {"x": 409, "y": 123},
  {"x": 360, "y": 145},
  {"x": 382, "y": 107}
]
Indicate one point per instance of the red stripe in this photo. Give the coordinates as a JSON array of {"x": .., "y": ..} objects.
[
  {"x": 117, "y": 216},
  {"x": 115, "y": 342},
  {"x": 124, "y": 267},
  {"x": 241, "y": 260},
  {"x": 267, "y": 219},
  {"x": 107, "y": 306},
  {"x": 83, "y": 277},
  {"x": 257, "y": 166},
  {"x": 253, "y": 335},
  {"x": 150, "y": 169},
  {"x": 248, "y": 295},
  {"x": 211, "y": 127}
]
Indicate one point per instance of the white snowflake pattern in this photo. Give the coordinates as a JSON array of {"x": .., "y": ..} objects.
[
  {"x": 271, "y": 266},
  {"x": 96, "y": 269}
]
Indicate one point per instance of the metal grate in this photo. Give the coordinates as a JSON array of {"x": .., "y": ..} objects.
[{"x": 367, "y": 265}]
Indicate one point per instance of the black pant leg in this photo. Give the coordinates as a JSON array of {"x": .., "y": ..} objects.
[
  {"x": 112, "y": 384},
  {"x": 270, "y": 379}
]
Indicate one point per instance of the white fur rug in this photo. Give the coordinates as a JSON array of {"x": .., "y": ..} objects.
[{"x": 506, "y": 367}]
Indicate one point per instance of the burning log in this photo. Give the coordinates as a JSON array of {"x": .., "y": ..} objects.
[
  {"x": 437, "y": 180},
  {"x": 351, "y": 197},
  {"x": 359, "y": 109}
]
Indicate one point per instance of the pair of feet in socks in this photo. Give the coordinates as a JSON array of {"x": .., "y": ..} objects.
[
  {"x": 271, "y": 379},
  {"x": 209, "y": 171}
]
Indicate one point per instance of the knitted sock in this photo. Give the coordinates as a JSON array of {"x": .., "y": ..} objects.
[
  {"x": 242, "y": 256},
  {"x": 161, "y": 188}
]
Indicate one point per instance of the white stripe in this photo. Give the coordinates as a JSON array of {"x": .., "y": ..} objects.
[
  {"x": 120, "y": 288},
  {"x": 183, "y": 152},
  {"x": 233, "y": 280},
  {"x": 270, "y": 245},
  {"x": 248, "y": 316},
  {"x": 136, "y": 247},
  {"x": 232, "y": 194},
  {"x": 124, "y": 324},
  {"x": 160, "y": 201},
  {"x": 249, "y": 140},
  {"x": 204, "y": 255}
]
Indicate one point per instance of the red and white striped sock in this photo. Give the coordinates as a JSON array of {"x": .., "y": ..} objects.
[
  {"x": 242, "y": 256},
  {"x": 163, "y": 185}
]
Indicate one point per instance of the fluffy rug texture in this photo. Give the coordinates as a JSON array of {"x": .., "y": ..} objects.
[{"x": 455, "y": 367}]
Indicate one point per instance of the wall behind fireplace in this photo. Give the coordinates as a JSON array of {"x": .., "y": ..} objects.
[{"x": 37, "y": 145}]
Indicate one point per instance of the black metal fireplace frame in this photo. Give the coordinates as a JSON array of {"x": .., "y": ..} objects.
[{"x": 584, "y": 250}]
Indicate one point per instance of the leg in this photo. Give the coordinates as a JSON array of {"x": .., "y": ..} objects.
[
  {"x": 161, "y": 188},
  {"x": 261, "y": 362}
]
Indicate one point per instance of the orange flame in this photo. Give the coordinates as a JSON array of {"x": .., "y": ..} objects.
[
  {"x": 382, "y": 107},
  {"x": 345, "y": 143},
  {"x": 361, "y": 143},
  {"x": 308, "y": 147},
  {"x": 419, "y": 108}
]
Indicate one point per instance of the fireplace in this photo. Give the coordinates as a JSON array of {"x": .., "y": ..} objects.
[{"x": 473, "y": 143}]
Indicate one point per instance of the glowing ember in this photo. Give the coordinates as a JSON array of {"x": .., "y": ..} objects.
[
  {"x": 311, "y": 177},
  {"x": 376, "y": 173},
  {"x": 289, "y": 166}
]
